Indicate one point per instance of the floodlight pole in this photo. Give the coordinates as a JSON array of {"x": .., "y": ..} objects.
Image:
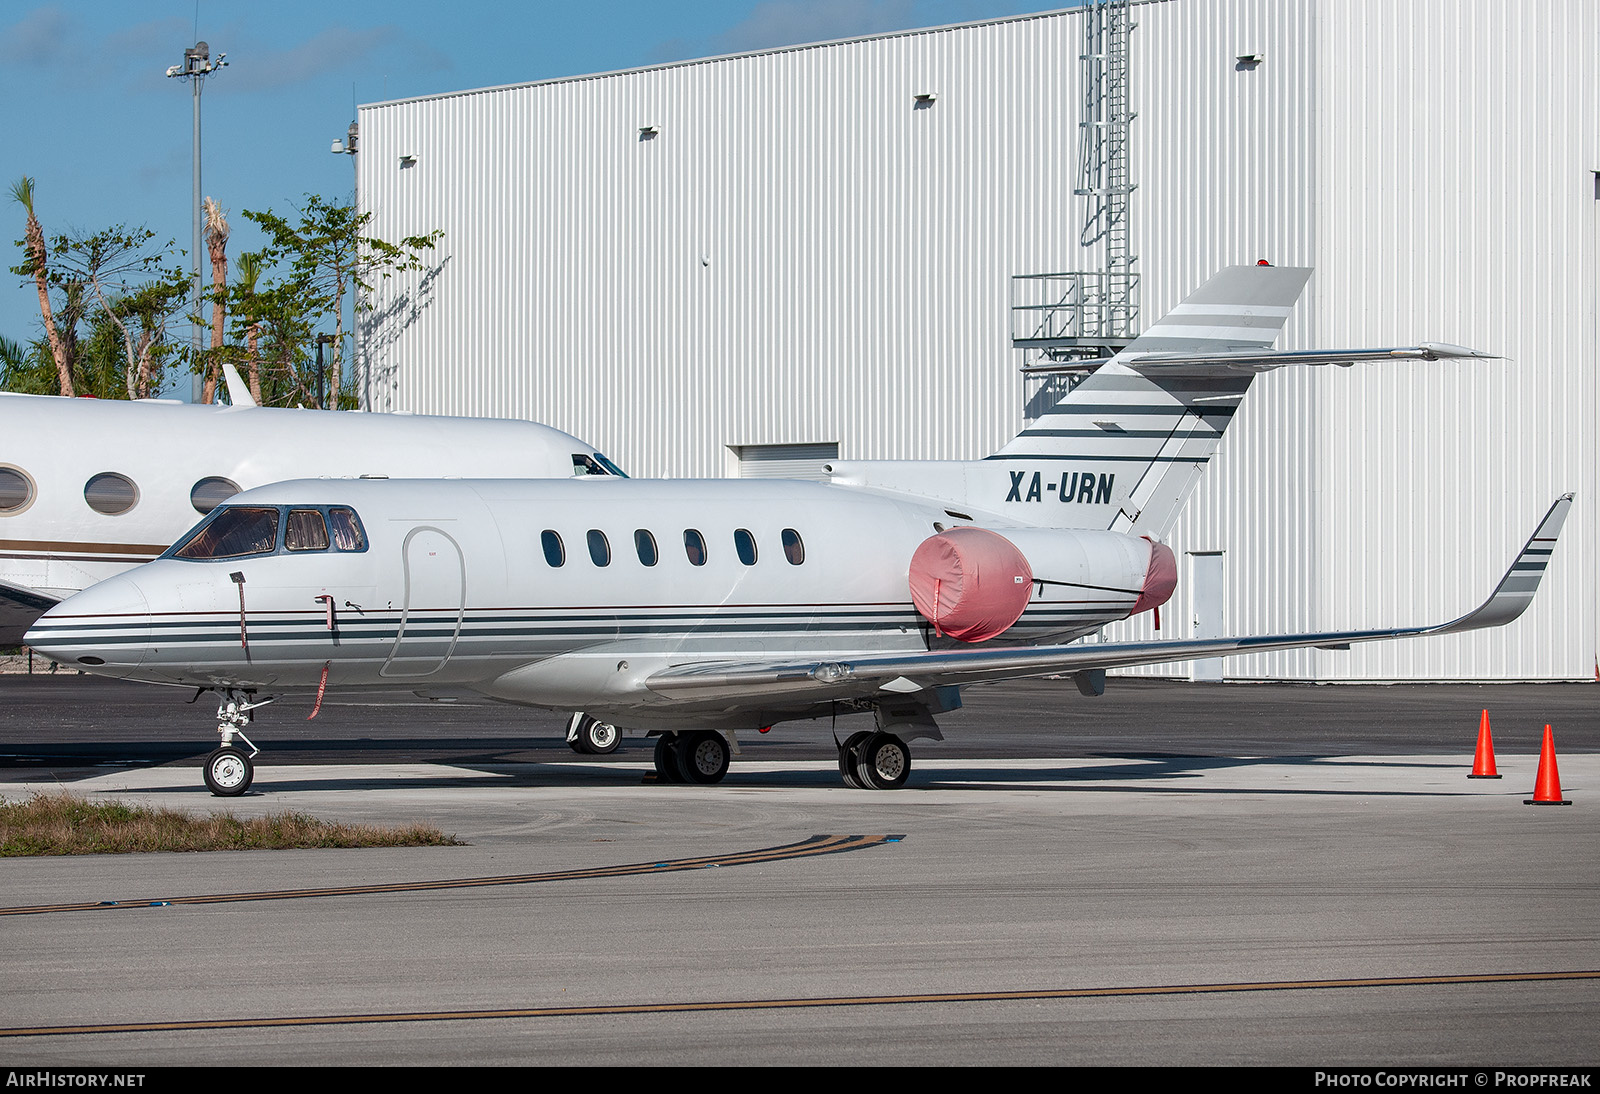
[{"x": 196, "y": 65}]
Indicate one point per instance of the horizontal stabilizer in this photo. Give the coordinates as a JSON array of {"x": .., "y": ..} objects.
[
  {"x": 1195, "y": 364},
  {"x": 867, "y": 676}
]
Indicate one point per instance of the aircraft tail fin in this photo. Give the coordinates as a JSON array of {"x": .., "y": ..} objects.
[
  {"x": 1125, "y": 447},
  {"x": 238, "y": 390},
  {"x": 1142, "y": 438}
]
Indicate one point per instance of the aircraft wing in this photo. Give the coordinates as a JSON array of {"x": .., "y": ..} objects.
[
  {"x": 864, "y": 677},
  {"x": 19, "y": 607}
]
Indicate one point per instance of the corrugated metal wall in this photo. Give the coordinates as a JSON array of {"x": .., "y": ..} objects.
[{"x": 800, "y": 254}]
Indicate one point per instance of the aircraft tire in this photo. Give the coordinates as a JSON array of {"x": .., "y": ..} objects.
[
  {"x": 849, "y": 760},
  {"x": 883, "y": 762},
  {"x": 667, "y": 769},
  {"x": 599, "y": 738},
  {"x": 229, "y": 772},
  {"x": 703, "y": 756}
]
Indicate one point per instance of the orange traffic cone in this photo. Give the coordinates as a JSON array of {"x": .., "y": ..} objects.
[
  {"x": 1483, "y": 761},
  {"x": 1547, "y": 786}
]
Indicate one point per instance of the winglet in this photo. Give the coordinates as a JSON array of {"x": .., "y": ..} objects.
[{"x": 1515, "y": 591}]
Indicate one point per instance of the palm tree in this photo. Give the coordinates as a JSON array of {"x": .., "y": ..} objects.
[
  {"x": 37, "y": 265},
  {"x": 217, "y": 245}
]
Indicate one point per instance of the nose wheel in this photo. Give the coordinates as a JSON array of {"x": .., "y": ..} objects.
[
  {"x": 229, "y": 772},
  {"x": 230, "y": 769}
]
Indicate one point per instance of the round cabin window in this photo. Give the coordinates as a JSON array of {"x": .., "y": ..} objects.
[
  {"x": 211, "y": 492},
  {"x": 16, "y": 491},
  {"x": 110, "y": 493}
]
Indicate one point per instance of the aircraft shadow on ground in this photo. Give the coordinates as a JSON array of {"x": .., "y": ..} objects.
[{"x": 1115, "y": 774}]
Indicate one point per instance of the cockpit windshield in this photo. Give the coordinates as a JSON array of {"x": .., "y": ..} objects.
[
  {"x": 593, "y": 463},
  {"x": 235, "y": 531}
]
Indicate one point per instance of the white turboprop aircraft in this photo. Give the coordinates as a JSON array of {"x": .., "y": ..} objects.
[
  {"x": 691, "y": 610},
  {"x": 91, "y": 487}
]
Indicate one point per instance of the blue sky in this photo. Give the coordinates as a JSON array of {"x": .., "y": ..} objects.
[{"x": 90, "y": 115}]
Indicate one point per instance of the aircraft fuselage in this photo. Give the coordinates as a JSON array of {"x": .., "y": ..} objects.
[{"x": 562, "y": 594}]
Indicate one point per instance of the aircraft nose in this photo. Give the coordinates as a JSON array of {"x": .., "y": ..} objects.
[{"x": 104, "y": 630}]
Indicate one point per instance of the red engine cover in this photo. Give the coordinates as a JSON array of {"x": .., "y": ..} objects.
[
  {"x": 1159, "y": 579},
  {"x": 970, "y": 583}
]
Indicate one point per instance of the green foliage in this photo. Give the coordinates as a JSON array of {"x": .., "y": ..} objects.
[
  {"x": 120, "y": 305},
  {"x": 327, "y": 257},
  {"x": 117, "y": 299}
]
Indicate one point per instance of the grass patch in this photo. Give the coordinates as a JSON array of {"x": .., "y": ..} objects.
[{"x": 65, "y": 824}]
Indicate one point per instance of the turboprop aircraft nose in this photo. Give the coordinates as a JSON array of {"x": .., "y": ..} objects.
[{"x": 104, "y": 630}]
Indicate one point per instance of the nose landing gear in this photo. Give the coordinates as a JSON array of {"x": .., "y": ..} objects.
[{"x": 229, "y": 770}]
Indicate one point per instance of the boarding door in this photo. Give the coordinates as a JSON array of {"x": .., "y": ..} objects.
[{"x": 436, "y": 588}]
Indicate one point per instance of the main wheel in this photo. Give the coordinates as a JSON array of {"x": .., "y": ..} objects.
[
  {"x": 229, "y": 772},
  {"x": 667, "y": 769},
  {"x": 599, "y": 737},
  {"x": 702, "y": 756},
  {"x": 848, "y": 762},
  {"x": 883, "y": 762}
]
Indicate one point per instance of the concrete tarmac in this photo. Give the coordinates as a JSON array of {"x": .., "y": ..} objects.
[{"x": 1223, "y": 875}]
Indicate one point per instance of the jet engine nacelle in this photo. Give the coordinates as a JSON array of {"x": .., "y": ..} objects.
[{"x": 973, "y": 584}]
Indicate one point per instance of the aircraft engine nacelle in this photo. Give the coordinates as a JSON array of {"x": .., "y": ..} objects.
[{"x": 973, "y": 584}]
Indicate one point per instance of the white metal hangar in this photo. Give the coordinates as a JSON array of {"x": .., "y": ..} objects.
[{"x": 710, "y": 266}]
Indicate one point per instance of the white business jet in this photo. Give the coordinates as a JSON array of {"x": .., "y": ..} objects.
[{"x": 692, "y": 610}]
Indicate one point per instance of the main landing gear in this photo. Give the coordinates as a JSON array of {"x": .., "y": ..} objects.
[
  {"x": 697, "y": 756},
  {"x": 874, "y": 761},
  {"x": 591, "y": 736},
  {"x": 229, "y": 770}
]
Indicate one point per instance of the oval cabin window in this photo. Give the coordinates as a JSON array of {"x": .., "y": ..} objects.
[
  {"x": 694, "y": 546},
  {"x": 745, "y": 544},
  {"x": 110, "y": 493},
  {"x": 554, "y": 553},
  {"x": 599, "y": 548},
  {"x": 16, "y": 491},
  {"x": 211, "y": 492},
  {"x": 794, "y": 548},
  {"x": 645, "y": 544}
]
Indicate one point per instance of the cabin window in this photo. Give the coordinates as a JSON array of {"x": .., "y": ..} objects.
[
  {"x": 745, "y": 544},
  {"x": 211, "y": 492},
  {"x": 645, "y": 544},
  {"x": 16, "y": 490},
  {"x": 599, "y": 547},
  {"x": 694, "y": 545},
  {"x": 234, "y": 531},
  {"x": 346, "y": 529},
  {"x": 554, "y": 552},
  {"x": 110, "y": 493},
  {"x": 794, "y": 548},
  {"x": 305, "y": 531}
]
